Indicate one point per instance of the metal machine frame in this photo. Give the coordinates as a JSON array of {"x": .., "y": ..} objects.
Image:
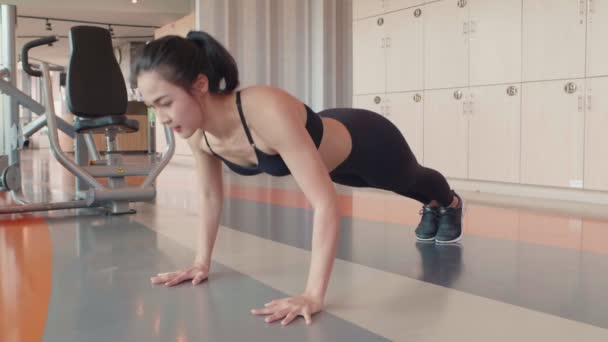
[{"x": 90, "y": 193}]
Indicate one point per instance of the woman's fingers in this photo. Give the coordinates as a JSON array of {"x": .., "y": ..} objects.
[
  {"x": 286, "y": 309},
  {"x": 162, "y": 278},
  {"x": 197, "y": 274},
  {"x": 156, "y": 280},
  {"x": 307, "y": 316},
  {"x": 200, "y": 276},
  {"x": 178, "y": 278},
  {"x": 290, "y": 316},
  {"x": 265, "y": 311},
  {"x": 271, "y": 304},
  {"x": 277, "y": 315}
]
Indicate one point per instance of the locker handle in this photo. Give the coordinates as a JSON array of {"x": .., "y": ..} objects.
[
  {"x": 458, "y": 94},
  {"x": 589, "y": 102},
  {"x": 581, "y": 7},
  {"x": 580, "y": 103},
  {"x": 570, "y": 87},
  {"x": 591, "y": 8}
]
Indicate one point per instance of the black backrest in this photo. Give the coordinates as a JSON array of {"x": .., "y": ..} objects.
[
  {"x": 95, "y": 85},
  {"x": 137, "y": 108}
]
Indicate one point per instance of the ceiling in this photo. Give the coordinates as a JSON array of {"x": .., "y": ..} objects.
[{"x": 145, "y": 12}]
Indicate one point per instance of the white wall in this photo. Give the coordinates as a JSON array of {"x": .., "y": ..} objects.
[{"x": 302, "y": 46}]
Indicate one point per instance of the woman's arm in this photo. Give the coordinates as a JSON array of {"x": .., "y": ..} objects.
[
  {"x": 209, "y": 180},
  {"x": 289, "y": 137}
]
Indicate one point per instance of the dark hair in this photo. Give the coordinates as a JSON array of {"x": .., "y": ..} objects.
[{"x": 181, "y": 60}]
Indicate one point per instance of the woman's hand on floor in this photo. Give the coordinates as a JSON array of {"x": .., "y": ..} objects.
[
  {"x": 290, "y": 308},
  {"x": 197, "y": 273}
]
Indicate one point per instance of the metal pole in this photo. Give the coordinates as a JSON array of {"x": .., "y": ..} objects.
[
  {"x": 158, "y": 167},
  {"x": 151, "y": 132},
  {"x": 8, "y": 16},
  {"x": 26, "y": 86},
  {"x": 51, "y": 122},
  {"x": 43, "y": 207},
  {"x": 90, "y": 142}
]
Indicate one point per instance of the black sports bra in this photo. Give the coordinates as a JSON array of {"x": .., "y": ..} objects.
[{"x": 272, "y": 164}]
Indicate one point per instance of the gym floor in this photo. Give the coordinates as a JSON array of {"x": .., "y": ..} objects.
[{"x": 520, "y": 274}]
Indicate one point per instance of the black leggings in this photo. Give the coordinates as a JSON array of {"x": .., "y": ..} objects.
[{"x": 382, "y": 159}]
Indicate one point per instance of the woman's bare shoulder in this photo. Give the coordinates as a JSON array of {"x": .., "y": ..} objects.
[
  {"x": 262, "y": 100},
  {"x": 268, "y": 94}
]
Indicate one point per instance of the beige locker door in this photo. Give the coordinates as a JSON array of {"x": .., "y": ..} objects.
[
  {"x": 446, "y": 132},
  {"x": 446, "y": 45},
  {"x": 494, "y": 141},
  {"x": 597, "y": 47},
  {"x": 405, "y": 52},
  {"x": 395, "y": 5},
  {"x": 552, "y": 134},
  {"x": 553, "y": 39},
  {"x": 369, "y": 58},
  {"x": 376, "y": 103},
  {"x": 596, "y": 140},
  {"x": 367, "y": 8},
  {"x": 405, "y": 110},
  {"x": 495, "y": 42}
]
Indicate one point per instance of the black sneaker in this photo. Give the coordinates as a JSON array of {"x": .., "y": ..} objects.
[
  {"x": 427, "y": 228},
  {"x": 449, "y": 228}
]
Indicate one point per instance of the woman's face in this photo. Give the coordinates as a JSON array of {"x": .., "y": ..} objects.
[{"x": 174, "y": 106}]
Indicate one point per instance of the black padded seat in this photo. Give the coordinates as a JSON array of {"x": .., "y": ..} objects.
[{"x": 119, "y": 123}]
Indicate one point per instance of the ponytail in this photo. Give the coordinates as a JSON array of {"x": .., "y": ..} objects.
[
  {"x": 181, "y": 60},
  {"x": 221, "y": 64}
]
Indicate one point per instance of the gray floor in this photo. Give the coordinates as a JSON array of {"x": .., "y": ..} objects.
[
  {"x": 101, "y": 292},
  {"x": 385, "y": 285},
  {"x": 519, "y": 273}
]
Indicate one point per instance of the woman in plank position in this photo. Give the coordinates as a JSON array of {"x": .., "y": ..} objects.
[{"x": 192, "y": 84}]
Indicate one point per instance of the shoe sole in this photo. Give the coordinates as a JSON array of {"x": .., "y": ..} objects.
[
  {"x": 461, "y": 228},
  {"x": 448, "y": 242},
  {"x": 429, "y": 239}
]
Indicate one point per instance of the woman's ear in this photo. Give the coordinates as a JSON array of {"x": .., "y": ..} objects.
[{"x": 201, "y": 84}]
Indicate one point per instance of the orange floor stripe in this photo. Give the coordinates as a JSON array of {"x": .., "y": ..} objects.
[
  {"x": 547, "y": 229},
  {"x": 25, "y": 278}
]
